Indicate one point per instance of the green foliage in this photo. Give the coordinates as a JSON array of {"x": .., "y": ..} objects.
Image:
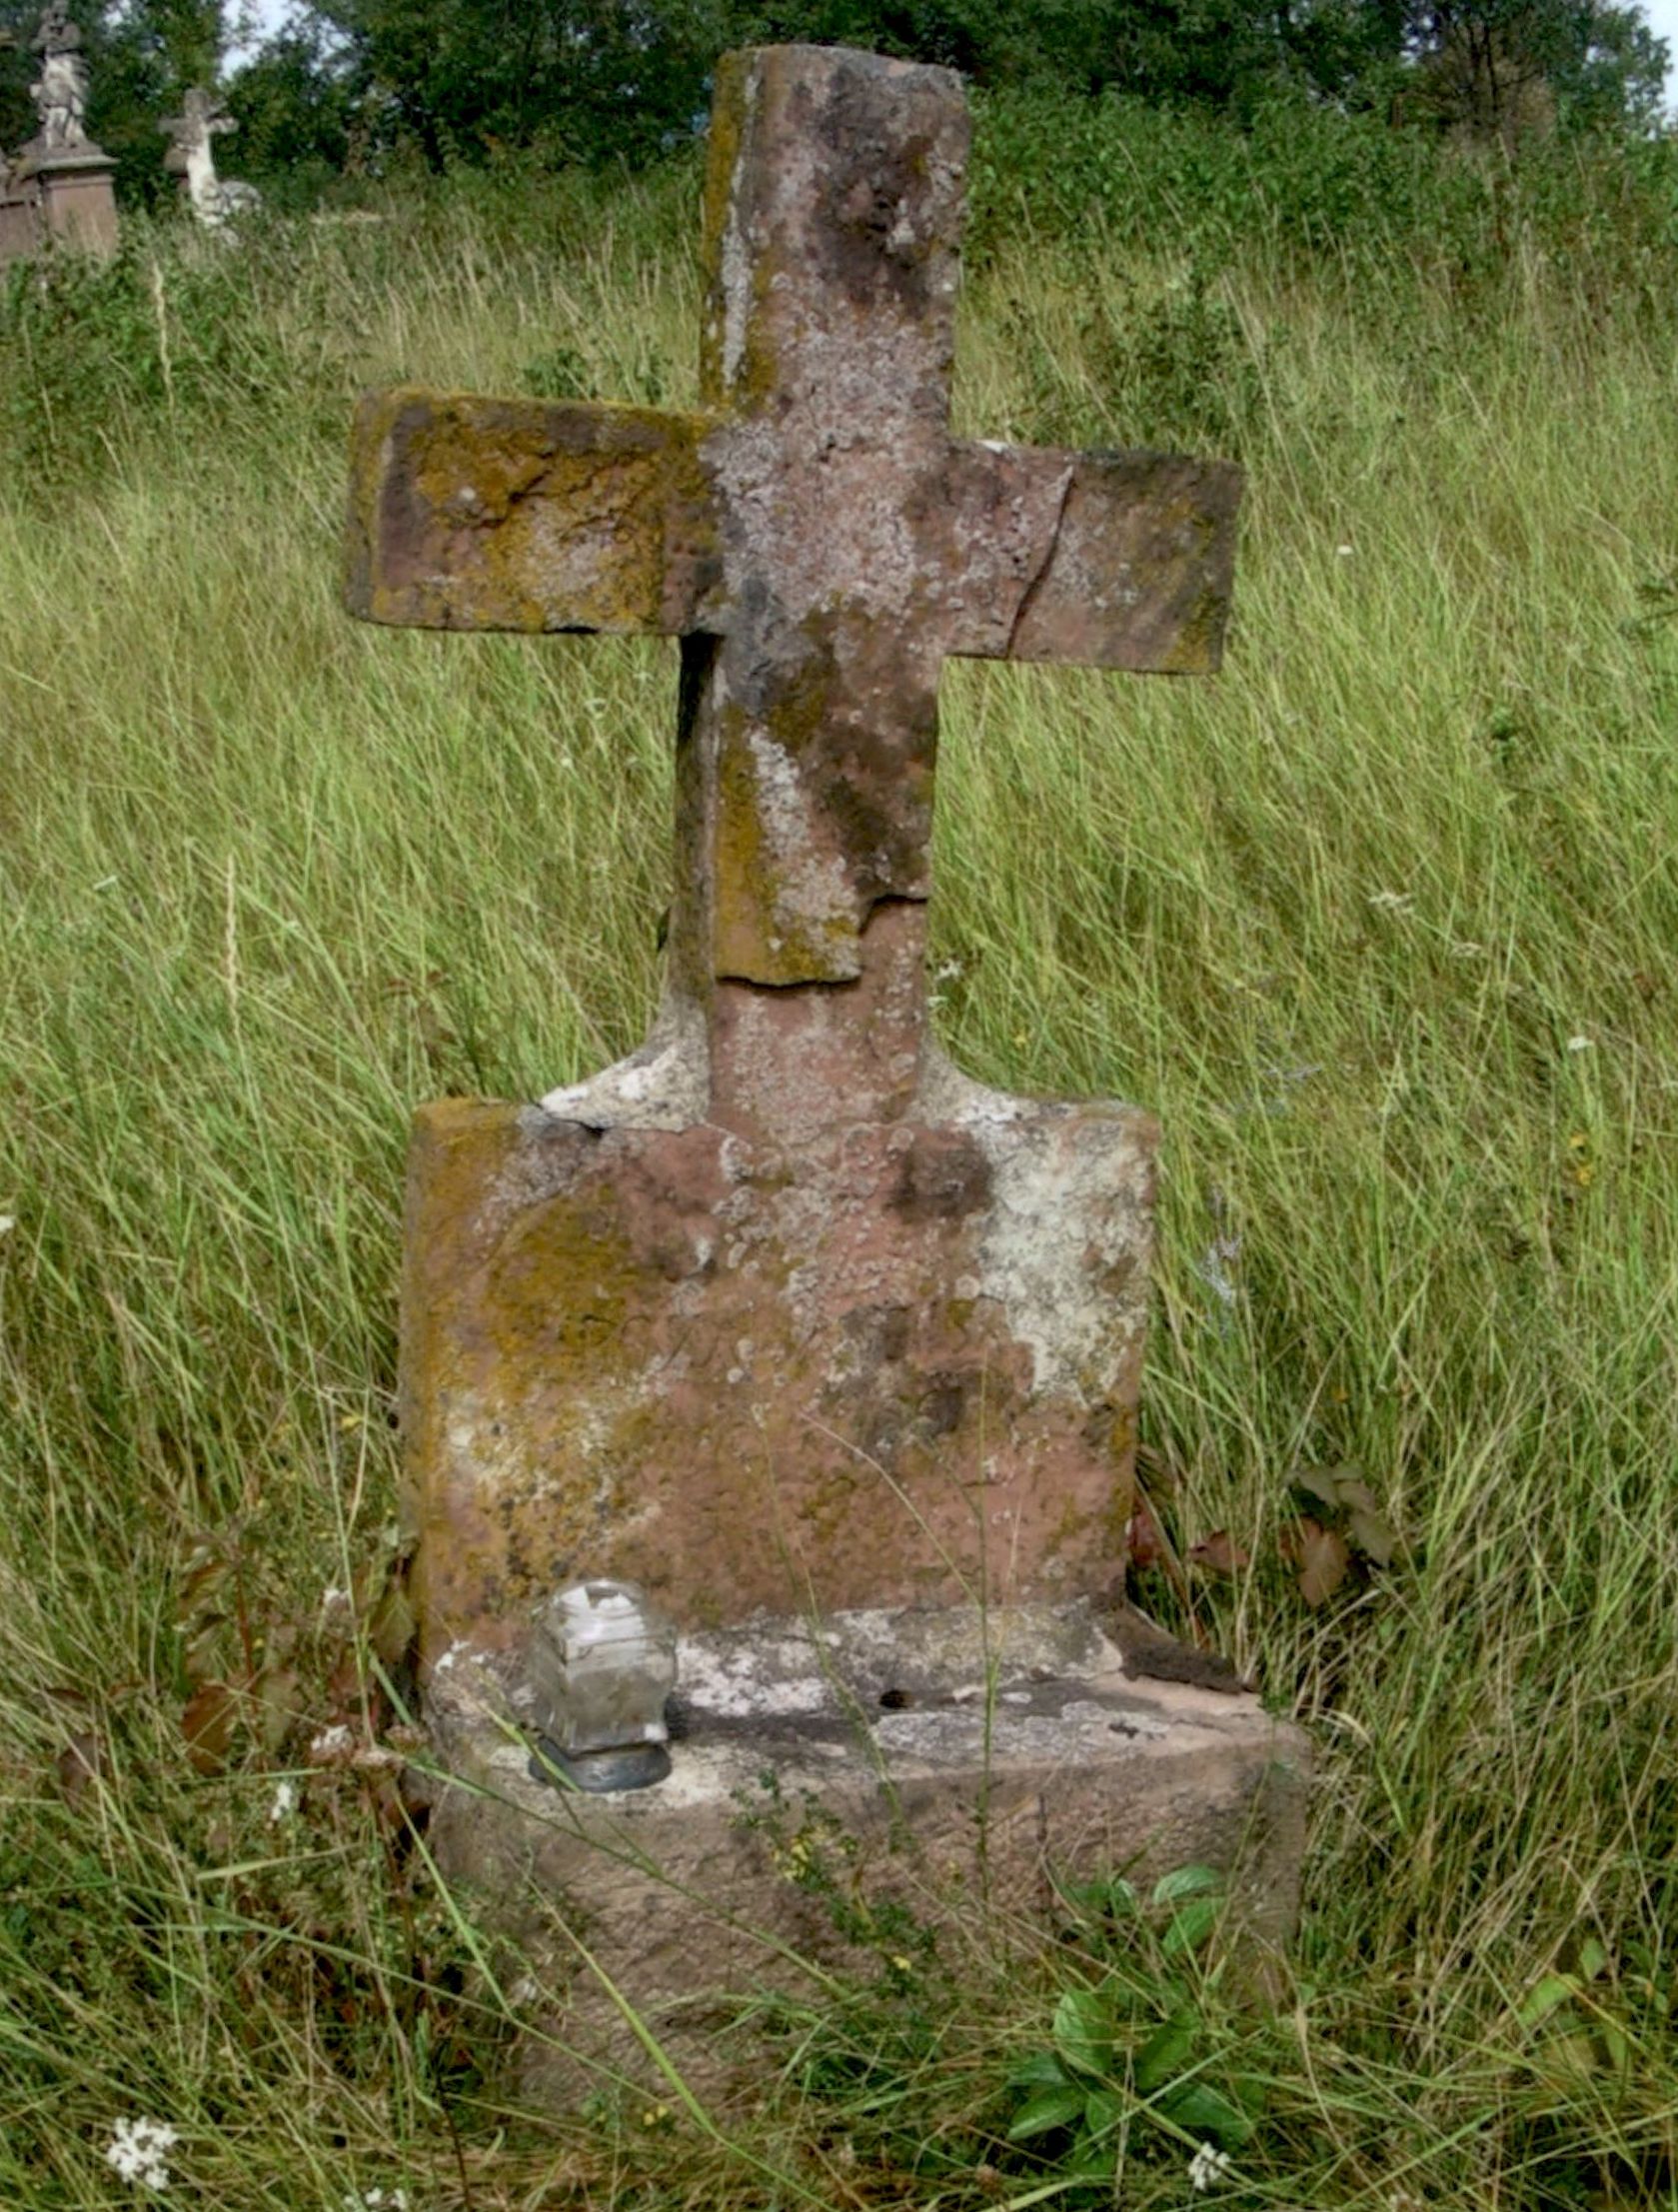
[
  {"x": 1138, "y": 2060},
  {"x": 301, "y": 126},
  {"x": 1506, "y": 68},
  {"x": 149, "y": 335},
  {"x": 1310, "y": 184},
  {"x": 1378, "y": 922}
]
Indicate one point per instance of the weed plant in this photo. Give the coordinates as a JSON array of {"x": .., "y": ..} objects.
[{"x": 1381, "y": 923}]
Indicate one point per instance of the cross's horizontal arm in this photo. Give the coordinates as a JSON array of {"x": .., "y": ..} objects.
[
  {"x": 1111, "y": 560},
  {"x": 538, "y": 514},
  {"x": 482, "y": 514}
]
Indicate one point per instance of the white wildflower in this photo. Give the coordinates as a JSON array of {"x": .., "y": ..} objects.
[
  {"x": 139, "y": 2150},
  {"x": 1398, "y": 901},
  {"x": 1207, "y": 2166},
  {"x": 1580, "y": 1043},
  {"x": 335, "y": 1742},
  {"x": 335, "y": 1603},
  {"x": 376, "y": 2200},
  {"x": 8, "y": 1221},
  {"x": 285, "y": 1799},
  {"x": 1214, "y": 1271},
  {"x": 1343, "y": 552}
]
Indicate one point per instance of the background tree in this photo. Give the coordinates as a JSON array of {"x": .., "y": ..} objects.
[{"x": 1499, "y": 68}]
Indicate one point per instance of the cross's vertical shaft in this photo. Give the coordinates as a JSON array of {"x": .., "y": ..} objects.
[{"x": 809, "y": 725}]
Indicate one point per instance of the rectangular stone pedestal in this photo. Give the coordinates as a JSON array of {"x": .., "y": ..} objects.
[
  {"x": 20, "y": 223},
  {"x": 78, "y": 205},
  {"x": 978, "y": 1762}
]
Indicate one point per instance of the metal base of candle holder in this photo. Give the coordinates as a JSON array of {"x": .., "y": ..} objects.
[{"x": 637, "y": 1768}]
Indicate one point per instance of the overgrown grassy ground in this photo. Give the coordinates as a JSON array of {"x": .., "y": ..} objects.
[{"x": 1381, "y": 922}]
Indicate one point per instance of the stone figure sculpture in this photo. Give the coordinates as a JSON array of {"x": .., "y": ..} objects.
[
  {"x": 60, "y": 92},
  {"x": 57, "y": 189},
  {"x": 214, "y": 201}
]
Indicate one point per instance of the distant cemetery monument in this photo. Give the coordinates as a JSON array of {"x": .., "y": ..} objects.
[
  {"x": 783, "y": 1328},
  {"x": 215, "y": 201},
  {"x": 57, "y": 188}
]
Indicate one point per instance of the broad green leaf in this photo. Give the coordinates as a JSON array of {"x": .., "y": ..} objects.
[
  {"x": 1039, "y": 2070},
  {"x": 1542, "y": 2000},
  {"x": 1162, "y": 2056},
  {"x": 1189, "y": 1926},
  {"x": 1199, "y": 2110},
  {"x": 1084, "y": 2031},
  {"x": 1186, "y": 1881},
  {"x": 1088, "y": 1896},
  {"x": 1593, "y": 1960},
  {"x": 1102, "y": 2111},
  {"x": 1049, "y": 2108},
  {"x": 1616, "y": 2049}
]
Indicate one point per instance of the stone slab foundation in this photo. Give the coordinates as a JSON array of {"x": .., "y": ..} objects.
[{"x": 979, "y": 1762}]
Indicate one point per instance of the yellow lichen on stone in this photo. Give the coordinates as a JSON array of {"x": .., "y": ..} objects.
[
  {"x": 486, "y": 513},
  {"x": 727, "y": 128}
]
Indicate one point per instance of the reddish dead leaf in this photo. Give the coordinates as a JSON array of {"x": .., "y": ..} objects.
[
  {"x": 81, "y": 1762},
  {"x": 1144, "y": 1547},
  {"x": 394, "y": 1624},
  {"x": 279, "y": 1692},
  {"x": 1219, "y": 1553},
  {"x": 207, "y": 1722},
  {"x": 1322, "y": 1557}
]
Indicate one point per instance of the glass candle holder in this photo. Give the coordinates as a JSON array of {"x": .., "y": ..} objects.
[{"x": 602, "y": 1663}]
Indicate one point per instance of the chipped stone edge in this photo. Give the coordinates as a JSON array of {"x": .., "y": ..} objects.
[{"x": 664, "y": 1084}]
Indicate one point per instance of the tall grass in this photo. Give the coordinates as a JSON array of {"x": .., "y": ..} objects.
[{"x": 1380, "y": 921}]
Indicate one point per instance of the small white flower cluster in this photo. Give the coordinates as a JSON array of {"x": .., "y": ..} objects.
[
  {"x": 285, "y": 1799},
  {"x": 139, "y": 2150},
  {"x": 376, "y": 2200},
  {"x": 1207, "y": 2167},
  {"x": 1213, "y": 1270}
]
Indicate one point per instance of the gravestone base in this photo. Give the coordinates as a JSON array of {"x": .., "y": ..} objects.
[
  {"x": 963, "y": 1766},
  {"x": 20, "y": 222},
  {"x": 78, "y": 208}
]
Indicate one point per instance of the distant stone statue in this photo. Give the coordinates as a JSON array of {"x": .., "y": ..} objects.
[
  {"x": 214, "y": 201},
  {"x": 60, "y": 92}
]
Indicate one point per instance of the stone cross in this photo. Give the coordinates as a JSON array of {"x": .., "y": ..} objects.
[{"x": 783, "y": 1311}]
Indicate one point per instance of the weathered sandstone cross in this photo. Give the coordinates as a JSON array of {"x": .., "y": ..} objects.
[{"x": 782, "y": 1308}]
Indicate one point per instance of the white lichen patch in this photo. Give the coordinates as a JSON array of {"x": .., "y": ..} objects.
[
  {"x": 736, "y": 269},
  {"x": 810, "y": 884},
  {"x": 1068, "y": 1238},
  {"x": 663, "y": 1083}
]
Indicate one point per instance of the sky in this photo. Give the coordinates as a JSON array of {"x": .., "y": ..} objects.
[
  {"x": 1663, "y": 21},
  {"x": 1662, "y": 15}
]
